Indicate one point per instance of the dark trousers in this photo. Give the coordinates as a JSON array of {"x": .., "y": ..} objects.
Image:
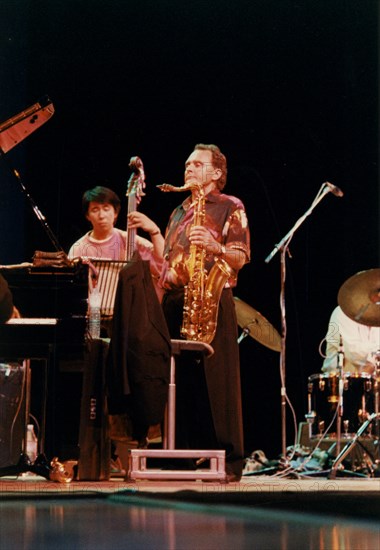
[{"x": 208, "y": 411}]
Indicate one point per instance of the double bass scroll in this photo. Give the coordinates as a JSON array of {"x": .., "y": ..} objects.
[{"x": 136, "y": 185}]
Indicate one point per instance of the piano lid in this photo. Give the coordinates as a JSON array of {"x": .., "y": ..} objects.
[
  {"x": 20, "y": 126},
  {"x": 59, "y": 293}
]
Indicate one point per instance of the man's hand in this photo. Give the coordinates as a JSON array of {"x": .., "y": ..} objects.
[{"x": 137, "y": 220}]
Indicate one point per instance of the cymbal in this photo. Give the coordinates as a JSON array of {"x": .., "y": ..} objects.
[
  {"x": 255, "y": 324},
  {"x": 359, "y": 297}
]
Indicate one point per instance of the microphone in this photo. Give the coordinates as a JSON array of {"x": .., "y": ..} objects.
[
  {"x": 334, "y": 189},
  {"x": 340, "y": 353},
  {"x": 340, "y": 374}
]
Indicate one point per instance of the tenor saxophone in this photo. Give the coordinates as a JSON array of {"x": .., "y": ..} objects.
[{"x": 203, "y": 291}]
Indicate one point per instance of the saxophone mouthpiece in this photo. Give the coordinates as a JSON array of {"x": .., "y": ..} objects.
[{"x": 166, "y": 187}]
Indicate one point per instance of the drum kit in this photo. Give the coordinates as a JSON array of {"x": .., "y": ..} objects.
[
  {"x": 345, "y": 406},
  {"x": 342, "y": 406}
]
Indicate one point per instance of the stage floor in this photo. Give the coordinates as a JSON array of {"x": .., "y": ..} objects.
[
  {"x": 253, "y": 485},
  {"x": 262, "y": 512}
]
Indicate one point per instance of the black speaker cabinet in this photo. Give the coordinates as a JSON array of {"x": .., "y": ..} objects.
[{"x": 12, "y": 413}]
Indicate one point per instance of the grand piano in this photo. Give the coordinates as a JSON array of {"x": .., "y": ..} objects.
[
  {"x": 66, "y": 369},
  {"x": 51, "y": 334},
  {"x": 52, "y": 301},
  {"x": 53, "y": 306}
]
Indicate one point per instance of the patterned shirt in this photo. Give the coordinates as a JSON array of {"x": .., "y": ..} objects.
[{"x": 225, "y": 219}]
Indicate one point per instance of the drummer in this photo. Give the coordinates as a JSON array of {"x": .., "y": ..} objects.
[
  {"x": 360, "y": 344},
  {"x": 354, "y": 327}
]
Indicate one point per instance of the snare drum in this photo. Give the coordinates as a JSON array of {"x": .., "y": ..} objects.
[{"x": 323, "y": 397}]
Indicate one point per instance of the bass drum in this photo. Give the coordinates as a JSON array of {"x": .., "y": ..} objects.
[{"x": 323, "y": 397}]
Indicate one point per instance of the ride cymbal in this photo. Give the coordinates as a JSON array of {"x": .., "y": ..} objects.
[
  {"x": 255, "y": 324},
  {"x": 359, "y": 297}
]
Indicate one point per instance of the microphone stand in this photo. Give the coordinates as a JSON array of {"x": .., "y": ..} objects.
[
  {"x": 377, "y": 397},
  {"x": 283, "y": 247},
  {"x": 340, "y": 396},
  {"x": 244, "y": 334}
]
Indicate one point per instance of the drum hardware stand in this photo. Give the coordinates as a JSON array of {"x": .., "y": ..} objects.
[
  {"x": 377, "y": 389},
  {"x": 283, "y": 246},
  {"x": 339, "y": 415},
  {"x": 341, "y": 455},
  {"x": 348, "y": 447},
  {"x": 245, "y": 332}
]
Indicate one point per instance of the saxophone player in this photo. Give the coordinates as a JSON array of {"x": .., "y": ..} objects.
[{"x": 209, "y": 412}]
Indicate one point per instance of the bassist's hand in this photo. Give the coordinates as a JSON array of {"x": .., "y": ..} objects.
[{"x": 137, "y": 220}]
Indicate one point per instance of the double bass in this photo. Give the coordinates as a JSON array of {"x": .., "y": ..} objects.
[{"x": 107, "y": 271}]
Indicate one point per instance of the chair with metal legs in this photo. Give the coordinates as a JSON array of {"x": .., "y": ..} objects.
[{"x": 138, "y": 468}]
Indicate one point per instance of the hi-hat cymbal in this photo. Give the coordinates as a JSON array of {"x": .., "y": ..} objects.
[
  {"x": 359, "y": 297},
  {"x": 256, "y": 325}
]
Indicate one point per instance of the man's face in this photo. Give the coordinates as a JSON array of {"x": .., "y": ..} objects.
[
  {"x": 199, "y": 169},
  {"x": 102, "y": 216}
]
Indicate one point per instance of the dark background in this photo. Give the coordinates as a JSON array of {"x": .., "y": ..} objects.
[{"x": 289, "y": 91}]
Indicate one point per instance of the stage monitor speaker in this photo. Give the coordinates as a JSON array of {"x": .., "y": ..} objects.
[{"x": 12, "y": 413}]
